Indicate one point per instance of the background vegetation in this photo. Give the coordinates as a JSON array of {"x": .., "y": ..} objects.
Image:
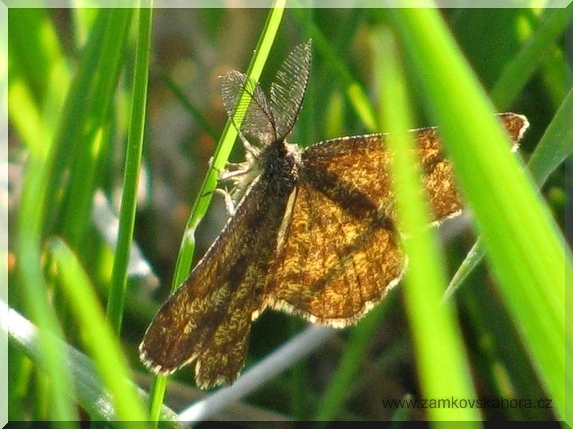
[{"x": 77, "y": 100}]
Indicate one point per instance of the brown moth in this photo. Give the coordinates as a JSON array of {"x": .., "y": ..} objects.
[{"x": 313, "y": 233}]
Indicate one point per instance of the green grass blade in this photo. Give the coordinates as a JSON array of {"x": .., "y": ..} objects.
[
  {"x": 519, "y": 71},
  {"x": 524, "y": 246},
  {"x": 116, "y": 297},
  {"x": 553, "y": 148},
  {"x": 97, "y": 335},
  {"x": 84, "y": 126},
  {"x": 555, "y": 145},
  {"x": 90, "y": 393},
  {"x": 36, "y": 69},
  {"x": 443, "y": 366},
  {"x": 35, "y": 290},
  {"x": 224, "y": 149}
]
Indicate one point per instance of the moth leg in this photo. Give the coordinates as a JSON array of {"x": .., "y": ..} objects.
[{"x": 229, "y": 203}]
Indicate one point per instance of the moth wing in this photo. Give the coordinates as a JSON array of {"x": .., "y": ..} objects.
[
  {"x": 208, "y": 318},
  {"x": 334, "y": 266},
  {"x": 341, "y": 251}
]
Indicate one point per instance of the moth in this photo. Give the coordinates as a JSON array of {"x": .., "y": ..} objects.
[{"x": 313, "y": 233}]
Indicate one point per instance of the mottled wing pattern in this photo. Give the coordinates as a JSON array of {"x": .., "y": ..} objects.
[
  {"x": 209, "y": 317},
  {"x": 341, "y": 253},
  {"x": 515, "y": 125},
  {"x": 333, "y": 267},
  {"x": 438, "y": 177}
]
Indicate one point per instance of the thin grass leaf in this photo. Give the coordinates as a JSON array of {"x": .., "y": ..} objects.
[
  {"x": 36, "y": 66},
  {"x": 550, "y": 151},
  {"x": 27, "y": 102},
  {"x": 89, "y": 392},
  {"x": 35, "y": 291},
  {"x": 523, "y": 244},
  {"x": 442, "y": 363},
  {"x": 224, "y": 148},
  {"x": 69, "y": 142},
  {"x": 519, "y": 71},
  {"x": 553, "y": 148},
  {"x": 90, "y": 112},
  {"x": 97, "y": 336},
  {"x": 116, "y": 298},
  {"x": 555, "y": 145}
]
